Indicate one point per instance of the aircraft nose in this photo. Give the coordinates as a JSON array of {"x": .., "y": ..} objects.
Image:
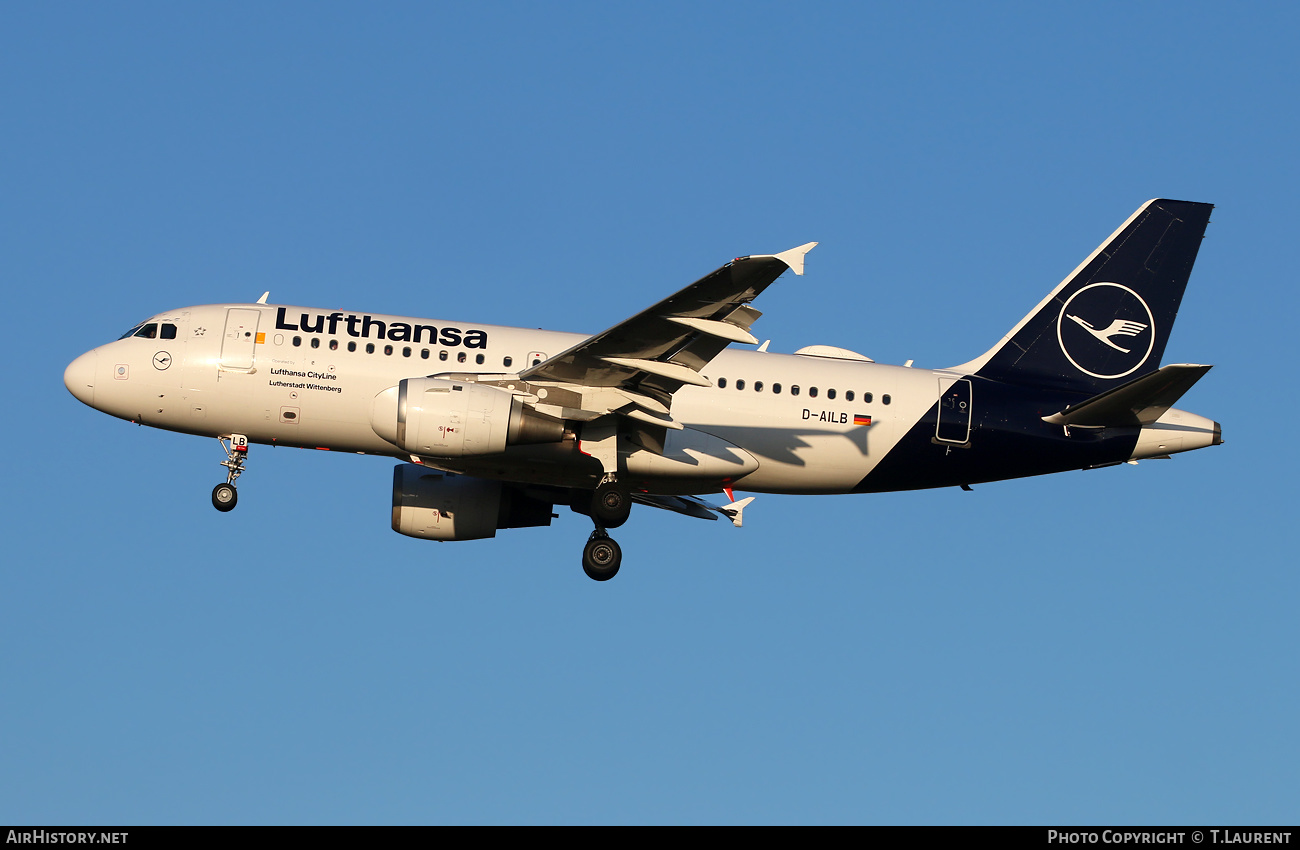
[{"x": 79, "y": 377}]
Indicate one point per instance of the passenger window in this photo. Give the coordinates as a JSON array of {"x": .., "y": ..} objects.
[
  {"x": 297, "y": 341},
  {"x": 794, "y": 389},
  {"x": 866, "y": 398},
  {"x": 848, "y": 395},
  {"x": 812, "y": 392},
  {"x": 460, "y": 357},
  {"x": 149, "y": 331},
  {"x": 442, "y": 355},
  {"x": 884, "y": 399},
  {"x": 506, "y": 361},
  {"x": 740, "y": 385},
  {"x": 776, "y": 388},
  {"x": 370, "y": 348},
  {"x": 758, "y": 386},
  {"x": 424, "y": 354},
  {"x": 315, "y": 342},
  {"x": 830, "y": 394},
  {"x": 388, "y": 349},
  {"x": 334, "y": 345},
  {"x": 479, "y": 359},
  {"x": 352, "y": 346},
  {"x": 168, "y": 331},
  {"x": 722, "y": 383},
  {"x": 406, "y": 351}
]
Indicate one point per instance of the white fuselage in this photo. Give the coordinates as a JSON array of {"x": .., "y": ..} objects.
[{"x": 308, "y": 378}]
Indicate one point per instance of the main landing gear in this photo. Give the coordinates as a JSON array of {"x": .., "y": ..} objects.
[
  {"x": 225, "y": 496},
  {"x": 601, "y": 556},
  {"x": 610, "y": 507}
]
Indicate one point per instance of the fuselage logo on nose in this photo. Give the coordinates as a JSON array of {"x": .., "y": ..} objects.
[{"x": 1106, "y": 330}]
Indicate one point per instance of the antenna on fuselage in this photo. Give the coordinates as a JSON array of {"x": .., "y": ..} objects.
[{"x": 265, "y": 295}]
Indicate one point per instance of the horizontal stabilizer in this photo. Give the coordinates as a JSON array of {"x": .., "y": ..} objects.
[{"x": 1139, "y": 402}]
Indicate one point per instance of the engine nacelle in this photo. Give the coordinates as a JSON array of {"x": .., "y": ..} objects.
[
  {"x": 434, "y": 505},
  {"x": 443, "y": 418}
]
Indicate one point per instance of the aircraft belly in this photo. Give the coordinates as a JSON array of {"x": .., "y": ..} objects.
[
  {"x": 808, "y": 462},
  {"x": 692, "y": 455},
  {"x": 701, "y": 463},
  {"x": 556, "y": 464}
]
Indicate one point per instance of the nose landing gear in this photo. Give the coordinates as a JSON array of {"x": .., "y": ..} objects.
[{"x": 224, "y": 496}]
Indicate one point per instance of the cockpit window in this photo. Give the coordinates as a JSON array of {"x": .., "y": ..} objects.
[
  {"x": 132, "y": 331},
  {"x": 168, "y": 331},
  {"x": 148, "y": 331}
]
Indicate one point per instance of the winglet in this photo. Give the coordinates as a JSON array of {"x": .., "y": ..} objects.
[
  {"x": 736, "y": 511},
  {"x": 794, "y": 257}
]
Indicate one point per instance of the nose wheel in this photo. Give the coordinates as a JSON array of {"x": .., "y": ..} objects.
[
  {"x": 225, "y": 496},
  {"x": 601, "y": 556}
]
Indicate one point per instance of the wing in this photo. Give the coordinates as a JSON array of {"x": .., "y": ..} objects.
[{"x": 663, "y": 348}]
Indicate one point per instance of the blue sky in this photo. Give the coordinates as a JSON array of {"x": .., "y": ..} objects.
[{"x": 1117, "y": 646}]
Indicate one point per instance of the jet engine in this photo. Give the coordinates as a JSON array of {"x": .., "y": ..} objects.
[
  {"x": 443, "y": 418},
  {"x": 438, "y": 506}
]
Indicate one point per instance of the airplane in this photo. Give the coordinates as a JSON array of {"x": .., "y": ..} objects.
[{"x": 494, "y": 427}]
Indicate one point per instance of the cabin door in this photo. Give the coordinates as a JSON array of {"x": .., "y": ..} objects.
[
  {"x": 240, "y": 338},
  {"x": 954, "y": 412}
]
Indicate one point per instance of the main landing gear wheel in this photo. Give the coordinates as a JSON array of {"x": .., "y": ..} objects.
[
  {"x": 224, "y": 497},
  {"x": 601, "y": 557},
  {"x": 610, "y": 505}
]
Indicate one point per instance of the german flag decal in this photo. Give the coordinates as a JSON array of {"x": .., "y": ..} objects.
[{"x": 861, "y": 420}]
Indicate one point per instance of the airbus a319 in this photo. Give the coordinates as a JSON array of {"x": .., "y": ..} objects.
[{"x": 494, "y": 427}]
